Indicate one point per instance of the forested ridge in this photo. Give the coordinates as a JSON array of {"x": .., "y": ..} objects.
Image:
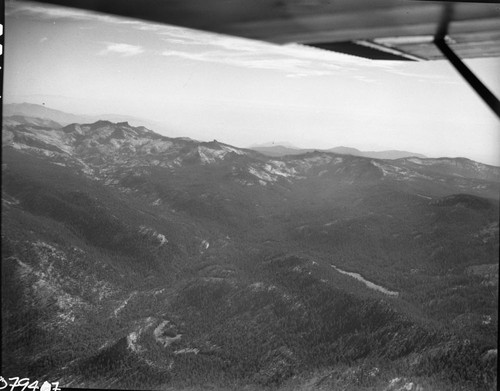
[{"x": 131, "y": 260}]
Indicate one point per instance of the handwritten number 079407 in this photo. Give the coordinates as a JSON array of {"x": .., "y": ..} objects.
[{"x": 21, "y": 384}]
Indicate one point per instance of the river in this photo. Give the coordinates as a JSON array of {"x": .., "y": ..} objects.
[{"x": 369, "y": 284}]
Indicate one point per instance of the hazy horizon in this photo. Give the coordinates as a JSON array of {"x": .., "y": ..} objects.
[{"x": 243, "y": 92}]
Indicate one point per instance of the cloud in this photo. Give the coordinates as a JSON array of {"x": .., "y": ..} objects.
[
  {"x": 212, "y": 47},
  {"x": 294, "y": 60},
  {"x": 292, "y": 67},
  {"x": 59, "y": 13},
  {"x": 416, "y": 75},
  {"x": 365, "y": 79},
  {"x": 122, "y": 49},
  {"x": 47, "y": 12}
]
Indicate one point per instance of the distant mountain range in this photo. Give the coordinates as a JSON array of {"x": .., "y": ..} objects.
[
  {"x": 31, "y": 110},
  {"x": 277, "y": 150},
  {"x": 134, "y": 260},
  {"x": 38, "y": 111},
  {"x": 390, "y": 154}
]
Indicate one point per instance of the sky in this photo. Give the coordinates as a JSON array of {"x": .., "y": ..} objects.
[{"x": 244, "y": 92}]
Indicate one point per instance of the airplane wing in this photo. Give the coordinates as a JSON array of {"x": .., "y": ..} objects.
[
  {"x": 392, "y": 29},
  {"x": 377, "y": 29}
]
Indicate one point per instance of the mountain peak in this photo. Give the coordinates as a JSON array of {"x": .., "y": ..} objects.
[
  {"x": 270, "y": 144},
  {"x": 102, "y": 122},
  {"x": 346, "y": 150},
  {"x": 212, "y": 144}
]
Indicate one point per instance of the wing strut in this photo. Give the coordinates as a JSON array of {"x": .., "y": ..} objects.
[
  {"x": 440, "y": 41},
  {"x": 489, "y": 98}
]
